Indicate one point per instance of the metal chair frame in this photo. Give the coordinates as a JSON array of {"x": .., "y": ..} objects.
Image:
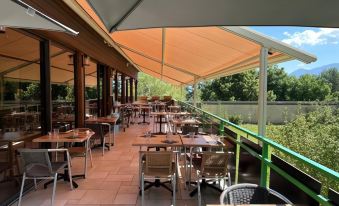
[{"x": 53, "y": 174}]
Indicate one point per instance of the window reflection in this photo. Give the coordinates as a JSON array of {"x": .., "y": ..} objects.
[
  {"x": 62, "y": 89},
  {"x": 19, "y": 104}
]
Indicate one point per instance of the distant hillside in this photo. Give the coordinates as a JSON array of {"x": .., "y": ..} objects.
[{"x": 315, "y": 71}]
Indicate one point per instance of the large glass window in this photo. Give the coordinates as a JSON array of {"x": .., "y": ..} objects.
[
  {"x": 19, "y": 103},
  {"x": 91, "y": 93},
  {"x": 62, "y": 85}
]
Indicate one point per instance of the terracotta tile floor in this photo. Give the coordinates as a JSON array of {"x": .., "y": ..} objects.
[{"x": 113, "y": 180}]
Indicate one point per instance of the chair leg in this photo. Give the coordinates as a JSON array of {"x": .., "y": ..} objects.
[
  {"x": 90, "y": 157},
  {"x": 174, "y": 188},
  {"x": 142, "y": 189},
  {"x": 56, "y": 153},
  {"x": 103, "y": 145},
  {"x": 22, "y": 188},
  {"x": 70, "y": 174},
  {"x": 35, "y": 185},
  {"x": 199, "y": 191},
  {"x": 54, "y": 188}
]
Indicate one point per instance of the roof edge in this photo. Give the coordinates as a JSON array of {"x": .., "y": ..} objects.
[{"x": 271, "y": 43}]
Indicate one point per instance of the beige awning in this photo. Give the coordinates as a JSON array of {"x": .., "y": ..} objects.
[
  {"x": 182, "y": 55},
  {"x": 188, "y": 54}
]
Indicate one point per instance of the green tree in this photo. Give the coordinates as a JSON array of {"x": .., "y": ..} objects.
[
  {"x": 32, "y": 92},
  {"x": 240, "y": 87},
  {"x": 151, "y": 86},
  {"x": 309, "y": 88},
  {"x": 331, "y": 76},
  {"x": 279, "y": 83}
]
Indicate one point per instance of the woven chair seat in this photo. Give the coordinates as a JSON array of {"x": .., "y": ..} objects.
[
  {"x": 77, "y": 151},
  {"x": 251, "y": 194}
]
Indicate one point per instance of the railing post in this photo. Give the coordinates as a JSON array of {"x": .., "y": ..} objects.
[
  {"x": 237, "y": 157},
  {"x": 221, "y": 128},
  {"x": 265, "y": 169}
]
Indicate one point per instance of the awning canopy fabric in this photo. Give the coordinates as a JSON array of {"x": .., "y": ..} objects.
[
  {"x": 17, "y": 14},
  {"x": 184, "y": 55},
  {"x": 139, "y": 14}
]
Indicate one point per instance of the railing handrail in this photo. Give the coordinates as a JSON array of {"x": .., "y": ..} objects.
[{"x": 325, "y": 170}]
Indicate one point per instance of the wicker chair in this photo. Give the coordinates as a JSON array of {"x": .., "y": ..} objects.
[
  {"x": 251, "y": 194},
  {"x": 37, "y": 165},
  {"x": 213, "y": 166},
  {"x": 158, "y": 165}
]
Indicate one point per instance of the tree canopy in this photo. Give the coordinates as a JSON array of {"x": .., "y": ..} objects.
[{"x": 280, "y": 86}]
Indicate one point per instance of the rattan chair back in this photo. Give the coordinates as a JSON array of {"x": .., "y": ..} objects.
[
  {"x": 158, "y": 163},
  {"x": 214, "y": 164}
]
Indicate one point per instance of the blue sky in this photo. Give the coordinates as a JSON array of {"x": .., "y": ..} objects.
[{"x": 322, "y": 42}]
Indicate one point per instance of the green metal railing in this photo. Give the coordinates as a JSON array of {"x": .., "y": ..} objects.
[{"x": 265, "y": 156}]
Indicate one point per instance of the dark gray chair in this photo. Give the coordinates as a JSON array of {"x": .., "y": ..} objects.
[
  {"x": 37, "y": 165},
  {"x": 251, "y": 194}
]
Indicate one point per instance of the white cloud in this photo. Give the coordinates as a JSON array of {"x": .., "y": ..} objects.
[{"x": 312, "y": 37}]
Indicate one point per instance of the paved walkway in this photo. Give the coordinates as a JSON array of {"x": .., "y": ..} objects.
[{"x": 113, "y": 180}]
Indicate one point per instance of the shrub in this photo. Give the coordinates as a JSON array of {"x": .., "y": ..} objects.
[
  {"x": 316, "y": 136},
  {"x": 236, "y": 119}
]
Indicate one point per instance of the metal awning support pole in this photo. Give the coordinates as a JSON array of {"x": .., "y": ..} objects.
[
  {"x": 262, "y": 116},
  {"x": 262, "y": 101},
  {"x": 163, "y": 51},
  {"x": 195, "y": 92}
]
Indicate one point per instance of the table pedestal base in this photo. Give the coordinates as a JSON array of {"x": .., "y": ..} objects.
[
  {"x": 65, "y": 178},
  {"x": 157, "y": 183},
  {"x": 203, "y": 185}
]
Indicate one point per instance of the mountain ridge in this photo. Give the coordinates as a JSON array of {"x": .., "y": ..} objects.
[{"x": 315, "y": 71}]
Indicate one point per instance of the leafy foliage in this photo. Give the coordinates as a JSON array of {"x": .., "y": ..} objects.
[
  {"x": 314, "y": 135},
  {"x": 280, "y": 86},
  {"x": 236, "y": 119},
  {"x": 150, "y": 86},
  {"x": 239, "y": 87}
]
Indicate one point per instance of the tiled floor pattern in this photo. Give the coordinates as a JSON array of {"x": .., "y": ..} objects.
[{"x": 113, "y": 180}]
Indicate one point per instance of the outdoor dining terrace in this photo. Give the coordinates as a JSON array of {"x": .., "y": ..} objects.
[
  {"x": 71, "y": 113},
  {"x": 110, "y": 173}
]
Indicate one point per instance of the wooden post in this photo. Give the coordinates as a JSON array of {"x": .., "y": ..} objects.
[
  {"x": 108, "y": 91},
  {"x": 136, "y": 90},
  {"x": 127, "y": 95},
  {"x": 79, "y": 88},
  {"x": 104, "y": 90},
  {"x": 116, "y": 86},
  {"x": 123, "y": 89},
  {"x": 99, "y": 106},
  {"x": 131, "y": 90},
  {"x": 45, "y": 87}
]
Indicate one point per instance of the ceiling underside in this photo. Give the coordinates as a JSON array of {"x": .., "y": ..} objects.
[{"x": 19, "y": 61}]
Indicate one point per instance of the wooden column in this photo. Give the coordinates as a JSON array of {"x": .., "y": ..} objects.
[
  {"x": 131, "y": 90},
  {"x": 116, "y": 86},
  {"x": 99, "y": 106},
  {"x": 123, "y": 89},
  {"x": 136, "y": 90},
  {"x": 45, "y": 87},
  {"x": 127, "y": 94},
  {"x": 109, "y": 102},
  {"x": 79, "y": 88},
  {"x": 104, "y": 90}
]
